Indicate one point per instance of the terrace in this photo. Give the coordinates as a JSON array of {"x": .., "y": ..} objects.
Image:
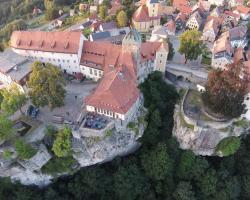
[
  {"x": 94, "y": 125},
  {"x": 94, "y": 121},
  {"x": 194, "y": 109}
]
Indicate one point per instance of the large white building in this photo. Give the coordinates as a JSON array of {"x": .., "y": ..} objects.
[
  {"x": 62, "y": 49},
  {"x": 119, "y": 67}
]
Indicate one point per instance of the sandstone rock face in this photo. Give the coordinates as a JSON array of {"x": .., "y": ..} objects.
[
  {"x": 202, "y": 140},
  {"x": 87, "y": 151}
]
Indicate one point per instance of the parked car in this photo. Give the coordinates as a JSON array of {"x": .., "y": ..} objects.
[
  {"x": 34, "y": 112},
  {"x": 30, "y": 110}
]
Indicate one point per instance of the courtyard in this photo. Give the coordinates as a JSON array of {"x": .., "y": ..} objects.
[{"x": 73, "y": 107}]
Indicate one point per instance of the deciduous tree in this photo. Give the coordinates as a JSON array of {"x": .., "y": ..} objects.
[
  {"x": 122, "y": 19},
  {"x": 184, "y": 191},
  {"x": 225, "y": 90},
  {"x": 13, "y": 99},
  {"x": 191, "y": 45},
  {"x": 157, "y": 163},
  {"x": 6, "y": 128},
  {"x": 46, "y": 85},
  {"x": 62, "y": 143},
  {"x": 103, "y": 12}
]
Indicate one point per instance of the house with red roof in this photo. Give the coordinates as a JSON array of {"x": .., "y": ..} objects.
[
  {"x": 147, "y": 16},
  {"x": 243, "y": 11},
  {"x": 60, "y": 48},
  {"x": 211, "y": 30},
  {"x": 194, "y": 21},
  {"x": 222, "y": 52}
]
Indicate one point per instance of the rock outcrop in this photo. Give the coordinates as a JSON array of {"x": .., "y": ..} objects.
[{"x": 203, "y": 139}]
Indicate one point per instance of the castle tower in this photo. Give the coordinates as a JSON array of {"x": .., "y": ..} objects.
[
  {"x": 153, "y": 8},
  {"x": 132, "y": 43},
  {"x": 161, "y": 57}
]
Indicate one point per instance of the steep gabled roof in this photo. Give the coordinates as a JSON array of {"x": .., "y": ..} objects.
[
  {"x": 117, "y": 91},
  {"x": 60, "y": 42}
]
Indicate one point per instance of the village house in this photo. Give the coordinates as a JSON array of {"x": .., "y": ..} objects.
[
  {"x": 180, "y": 21},
  {"x": 203, "y": 7},
  {"x": 59, "y": 21},
  {"x": 83, "y": 7},
  {"x": 147, "y": 16},
  {"x": 14, "y": 69},
  {"x": 116, "y": 5},
  {"x": 234, "y": 3},
  {"x": 217, "y": 2},
  {"x": 222, "y": 52},
  {"x": 238, "y": 36},
  {"x": 217, "y": 12},
  {"x": 159, "y": 33},
  {"x": 170, "y": 27},
  {"x": 194, "y": 21},
  {"x": 210, "y": 30},
  {"x": 243, "y": 11},
  {"x": 114, "y": 36},
  {"x": 183, "y": 6}
]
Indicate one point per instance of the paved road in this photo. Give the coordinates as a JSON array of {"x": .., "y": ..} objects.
[
  {"x": 76, "y": 26},
  {"x": 197, "y": 71}
]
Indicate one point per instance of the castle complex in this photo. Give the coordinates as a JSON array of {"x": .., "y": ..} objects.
[{"x": 119, "y": 67}]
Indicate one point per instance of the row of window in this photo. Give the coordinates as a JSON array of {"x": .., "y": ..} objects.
[
  {"x": 50, "y": 59},
  {"x": 52, "y": 53},
  {"x": 95, "y": 72},
  {"x": 106, "y": 112}
]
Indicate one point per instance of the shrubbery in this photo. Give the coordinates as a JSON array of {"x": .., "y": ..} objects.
[{"x": 228, "y": 146}]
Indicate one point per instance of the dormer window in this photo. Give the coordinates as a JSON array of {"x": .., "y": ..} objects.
[
  {"x": 53, "y": 44},
  {"x": 18, "y": 42},
  {"x": 41, "y": 44},
  {"x": 66, "y": 45}
]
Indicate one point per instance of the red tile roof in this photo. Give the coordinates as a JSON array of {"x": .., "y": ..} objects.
[
  {"x": 117, "y": 91},
  {"x": 223, "y": 44},
  {"x": 177, "y": 3},
  {"x": 141, "y": 14},
  {"x": 60, "y": 42},
  {"x": 171, "y": 26},
  {"x": 243, "y": 9}
]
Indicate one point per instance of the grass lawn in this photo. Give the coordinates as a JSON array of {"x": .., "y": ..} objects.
[
  {"x": 37, "y": 21},
  {"x": 206, "y": 60}
]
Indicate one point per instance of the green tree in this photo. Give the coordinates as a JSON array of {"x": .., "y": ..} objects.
[
  {"x": 103, "y": 12},
  {"x": 225, "y": 90},
  {"x": 13, "y": 99},
  {"x": 171, "y": 50},
  {"x": 62, "y": 143},
  {"x": 246, "y": 186},
  {"x": 185, "y": 165},
  {"x": 46, "y": 84},
  {"x": 184, "y": 191},
  {"x": 208, "y": 184},
  {"x": 51, "y": 12},
  {"x": 129, "y": 178},
  {"x": 24, "y": 150},
  {"x": 228, "y": 146},
  {"x": 191, "y": 45},
  {"x": 6, "y": 128},
  {"x": 157, "y": 163},
  {"x": 122, "y": 19}
]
